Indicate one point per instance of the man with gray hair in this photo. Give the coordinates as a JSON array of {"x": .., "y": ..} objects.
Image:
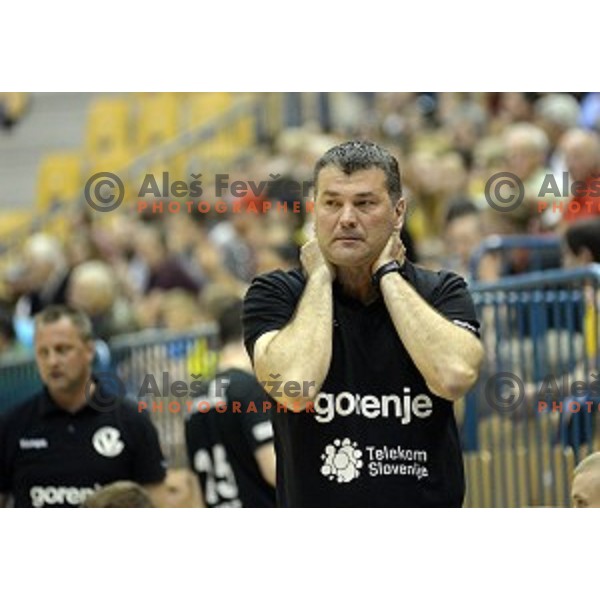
[
  {"x": 526, "y": 148},
  {"x": 581, "y": 149},
  {"x": 363, "y": 352},
  {"x": 556, "y": 114},
  {"x": 585, "y": 490}
]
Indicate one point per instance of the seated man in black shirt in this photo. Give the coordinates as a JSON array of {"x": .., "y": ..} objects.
[
  {"x": 62, "y": 445},
  {"x": 364, "y": 352}
]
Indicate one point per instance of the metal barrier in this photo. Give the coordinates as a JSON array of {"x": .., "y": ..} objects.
[
  {"x": 158, "y": 370},
  {"x": 533, "y": 413},
  {"x": 522, "y": 253},
  {"x": 19, "y": 380},
  {"x": 148, "y": 364}
]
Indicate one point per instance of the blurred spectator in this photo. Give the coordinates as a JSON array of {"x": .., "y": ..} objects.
[
  {"x": 120, "y": 494},
  {"x": 488, "y": 159},
  {"x": 160, "y": 269},
  {"x": 93, "y": 288},
  {"x": 283, "y": 257},
  {"x": 425, "y": 208},
  {"x": 466, "y": 124},
  {"x": 556, "y": 114},
  {"x": 590, "y": 111},
  {"x": 180, "y": 311},
  {"x": 582, "y": 156},
  {"x": 46, "y": 275},
  {"x": 582, "y": 243},
  {"x": 209, "y": 258},
  {"x": 238, "y": 237},
  {"x": 526, "y": 148},
  {"x": 585, "y": 489},
  {"x": 515, "y": 107},
  {"x": 43, "y": 280},
  {"x": 79, "y": 248},
  {"x": 463, "y": 234}
]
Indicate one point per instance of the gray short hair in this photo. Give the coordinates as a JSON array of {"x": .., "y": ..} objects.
[
  {"x": 358, "y": 155},
  {"x": 56, "y": 312}
]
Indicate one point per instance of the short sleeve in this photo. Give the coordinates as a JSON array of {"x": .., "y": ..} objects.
[
  {"x": 149, "y": 462},
  {"x": 269, "y": 304},
  {"x": 255, "y": 415},
  {"x": 451, "y": 298}
]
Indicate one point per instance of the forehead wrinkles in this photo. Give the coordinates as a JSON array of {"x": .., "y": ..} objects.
[{"x": 366, "y": 179}]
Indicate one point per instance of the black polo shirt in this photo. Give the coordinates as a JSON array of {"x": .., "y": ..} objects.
[
  {"x": 53, "y": 458},
  {"x": 378, "y": 436}
]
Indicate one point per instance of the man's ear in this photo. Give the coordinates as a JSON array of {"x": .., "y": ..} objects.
[{"x": 400, "y": 212}]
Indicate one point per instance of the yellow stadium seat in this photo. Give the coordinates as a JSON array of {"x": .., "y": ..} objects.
[
  {"x": 12, "y": 221},
  {"x": 157, "y": 119},
  {"x": 114, "y": 161},
  {"x": 108, "y": 126},
  {"x": 207, "y": 105},
  {"x": 59, "y": 178}
]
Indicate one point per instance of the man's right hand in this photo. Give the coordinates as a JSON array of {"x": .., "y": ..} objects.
[{"x": 312, "y": 260}]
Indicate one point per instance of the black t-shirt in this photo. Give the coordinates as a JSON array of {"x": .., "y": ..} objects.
[
  {"x": 53, "y": 458},
  {"x": 378, "y": 436},
  {"x": 230, "y": 422}
]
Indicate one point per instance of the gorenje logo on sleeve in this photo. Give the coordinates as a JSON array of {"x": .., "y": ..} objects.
[{"x": 343, "y": 404}]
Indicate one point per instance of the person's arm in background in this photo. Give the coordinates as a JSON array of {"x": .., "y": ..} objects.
[
  {"x": 265, "y": 458},
  {"x": 448, "y": 356},
  {"x": 3, "y": 500},
  {"x": 308, "y": 335},
  {"x": 197, "y": 496}
]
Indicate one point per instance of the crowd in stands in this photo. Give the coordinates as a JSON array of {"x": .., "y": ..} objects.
[{"x": 132, "y": 270}]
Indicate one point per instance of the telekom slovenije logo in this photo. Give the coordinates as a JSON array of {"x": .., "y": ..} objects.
[{"x": 341, "y": 461}]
